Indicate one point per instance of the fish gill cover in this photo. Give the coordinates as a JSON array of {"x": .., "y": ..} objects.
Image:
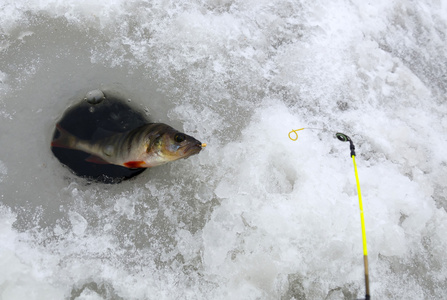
[{"x": 255, "y": 216}]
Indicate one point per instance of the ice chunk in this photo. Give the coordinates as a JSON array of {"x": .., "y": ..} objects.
[
  {"x": 79, "y": 223},
  {"x": 94, "y": 97}
]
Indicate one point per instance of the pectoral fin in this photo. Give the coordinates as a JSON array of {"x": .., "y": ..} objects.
[{"x": 134, "y": 164}]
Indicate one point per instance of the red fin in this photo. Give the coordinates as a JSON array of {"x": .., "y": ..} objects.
[
  {"x": 97, "y": 160},
  {"x": 134, "y": 164}
]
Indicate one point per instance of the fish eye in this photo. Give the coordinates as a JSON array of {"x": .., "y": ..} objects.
[{"x": 179, "y": 137}]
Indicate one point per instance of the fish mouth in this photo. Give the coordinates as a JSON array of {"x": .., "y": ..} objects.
[{"x": 192, "y": 149}]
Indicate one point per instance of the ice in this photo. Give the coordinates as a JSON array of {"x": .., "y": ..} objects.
[
  {"x": 125, "y": 206},
  {"x": 3, "y": 170},
  {"x": 23, "y": 279},
  {"x": 88, "y": 294},
  {"x": 94, "y": 96},
  {"x": 254, "y": 215},
  {"x": 78, "y": 223}
]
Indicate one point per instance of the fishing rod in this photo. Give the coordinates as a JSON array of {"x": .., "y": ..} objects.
[{"x": 344, "y": 138}]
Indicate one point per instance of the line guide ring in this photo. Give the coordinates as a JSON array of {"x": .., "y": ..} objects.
[
  {"x": 295, "y": 131},
  {"x": 296, "y": 134}
]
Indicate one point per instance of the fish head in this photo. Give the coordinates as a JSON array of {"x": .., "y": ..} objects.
[{"x": 169, "y": 144}]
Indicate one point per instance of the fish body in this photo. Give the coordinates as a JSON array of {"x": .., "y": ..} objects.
[{"x": 146, "y": 146}]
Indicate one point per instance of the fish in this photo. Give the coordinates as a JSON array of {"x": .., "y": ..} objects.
[{"x": 147, "y": 146}]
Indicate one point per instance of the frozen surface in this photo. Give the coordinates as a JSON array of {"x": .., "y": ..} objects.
[{"x": 255, "y": 215}]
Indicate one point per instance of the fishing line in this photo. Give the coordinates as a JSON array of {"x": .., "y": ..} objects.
[
  {"x": 344, "y": 138},
  {"x": 295, "y": 131}
]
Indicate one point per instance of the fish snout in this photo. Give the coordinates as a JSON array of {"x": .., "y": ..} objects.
[{"x": 193, "y": 148}]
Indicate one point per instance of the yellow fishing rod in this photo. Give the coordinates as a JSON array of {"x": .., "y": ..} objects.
[{"x": 344, "y": 138}]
